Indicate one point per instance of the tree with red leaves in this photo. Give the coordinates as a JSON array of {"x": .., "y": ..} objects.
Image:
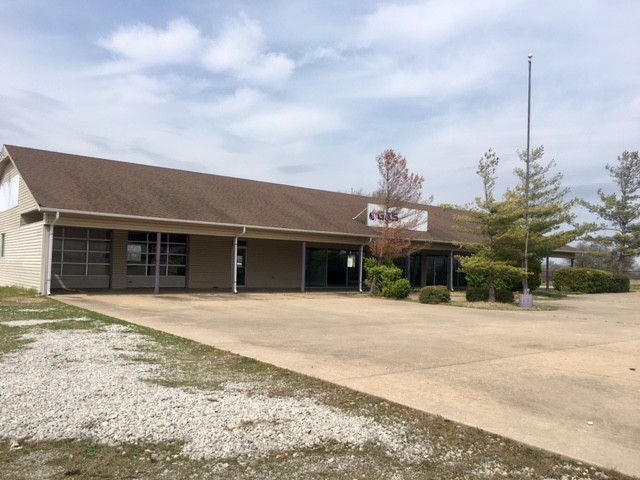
[{"x": 397, "y": 188}]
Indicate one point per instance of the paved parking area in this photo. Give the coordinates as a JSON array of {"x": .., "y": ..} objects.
[{"x": 566, "y": 380}]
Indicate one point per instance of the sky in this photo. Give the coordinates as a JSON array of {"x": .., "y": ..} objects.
[{"x": 309, "y": 93}]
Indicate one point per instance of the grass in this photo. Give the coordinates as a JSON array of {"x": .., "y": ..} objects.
[
  {"x": 457, "y": 451},
  {"x": 541, "y": 298}
]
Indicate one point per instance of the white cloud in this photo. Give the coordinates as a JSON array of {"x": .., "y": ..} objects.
[
  {"x": 427, "y": 23},
  {"x": 132, "y": 89},
  {"x": 241, "y": 101},
  {"x": 459, "y": 74},
  {"x": 147, "y": 46},
  {"x": 240, "y": 50},
  {"x": 286, "y": 123}
]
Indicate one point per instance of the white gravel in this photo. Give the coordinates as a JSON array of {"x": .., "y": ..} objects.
[{"x": 71, "y": 384}]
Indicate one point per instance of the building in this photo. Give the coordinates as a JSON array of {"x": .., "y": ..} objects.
[{"x": 74, "y": 222}]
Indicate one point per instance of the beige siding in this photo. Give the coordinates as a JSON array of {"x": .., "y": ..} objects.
[
  {"x": 26, "y": 203},
  {"x": 274, "y": 264},
  {"x": 119, "y": 242},
  {"x": 209, "y": 262},
  {"x": 22, "y": 262}
]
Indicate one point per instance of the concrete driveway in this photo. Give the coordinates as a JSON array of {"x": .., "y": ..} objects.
[{"x": 566, "y": 380}]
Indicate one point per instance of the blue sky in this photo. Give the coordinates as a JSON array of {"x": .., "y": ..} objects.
[{"x": 308, "y": 93}]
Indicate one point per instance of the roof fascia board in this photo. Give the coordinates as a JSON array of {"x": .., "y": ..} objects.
[{"x": 198, "y": 222}]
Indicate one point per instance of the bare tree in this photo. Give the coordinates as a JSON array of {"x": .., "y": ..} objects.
[{"x": 397, "y": 189}]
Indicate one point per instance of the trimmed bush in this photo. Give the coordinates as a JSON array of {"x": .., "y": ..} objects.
[
  {"x": 481, "y": 294},
  {"x": 435, "y": 294},
  {"x": 380, "y": 277},
  {"x": 620, "y": 283},
  {"x": 589, "y": 280},
  {"x": 477, "y": 294},
  {"x": 510, "y": 283},
  {"x": 399, "y": 289},
  {"x": 503, "y": 296}
]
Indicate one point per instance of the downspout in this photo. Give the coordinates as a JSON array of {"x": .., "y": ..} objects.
[
  {"x": 234, "y": 267},
  {"x": 50, "y": 256},
  {"x": 362, "y": 263}
]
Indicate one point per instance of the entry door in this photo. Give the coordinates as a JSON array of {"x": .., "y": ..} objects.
[{"x": 241, "y": 266}]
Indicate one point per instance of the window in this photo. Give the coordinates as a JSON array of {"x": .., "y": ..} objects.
[
  {"x": 141, "y": 254},
  {"x": 332, "y": 268},
  {"x": 9, "y": 194},
  {"x": 81, "y": 251},
  {"x": 2, "y": 238}
]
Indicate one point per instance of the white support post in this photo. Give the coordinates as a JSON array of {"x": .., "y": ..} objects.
[
  {"x": 303, "y": 275},
  {"x": 156, "y": 288},
  {"x": 360, "y": 268},
  {"x": 234, "y": 266}
]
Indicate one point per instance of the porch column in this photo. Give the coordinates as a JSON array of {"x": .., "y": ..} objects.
[
  {"x": 234, "y": 265},
  {"x": 450, "y": 271},
  {"x": 360, "y": 265},
  {"x": 156, "y": 288},
  {"x": 303, "y": 276}
]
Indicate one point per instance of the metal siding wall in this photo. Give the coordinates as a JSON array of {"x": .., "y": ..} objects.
[
  {"x": 25, "y": 200},
  {"x": 22, "y": 262},
  {"x": 209, "y": 264},
  {"x": 273, "y": 264},
  {"x": 119, "y": 242}
]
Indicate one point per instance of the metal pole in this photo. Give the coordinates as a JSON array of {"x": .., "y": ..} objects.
[{"x": 526, "y": 299}]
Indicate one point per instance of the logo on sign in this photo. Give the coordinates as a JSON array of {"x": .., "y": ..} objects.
[{"x": 380, "y": 217}]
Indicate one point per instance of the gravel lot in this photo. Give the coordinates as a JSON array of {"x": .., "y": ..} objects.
[{"x": 70, "y": 384}]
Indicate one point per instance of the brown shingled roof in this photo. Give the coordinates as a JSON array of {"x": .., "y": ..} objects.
[{"x": 85, "y": 184}]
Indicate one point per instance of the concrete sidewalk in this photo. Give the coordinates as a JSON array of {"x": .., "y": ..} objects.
[{"x": 566, "y": 380}]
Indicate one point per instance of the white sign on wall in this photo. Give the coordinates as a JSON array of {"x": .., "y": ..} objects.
[{"x": 412, "y": 219}]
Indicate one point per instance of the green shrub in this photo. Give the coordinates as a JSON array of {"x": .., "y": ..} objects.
[
  {"x": 620, "y": 283},
  {"x": 398, "y": 289},
  {"x": 589, "y": 280},
  {"x": 481, "y": 294},
  {"x": 435, "y": 294},
  {"x": 513, "y": 284},
  {"x": 504, "y": 296},
  {"x": 380, "y": 276},
  {"x": 535, "y": 280}
]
